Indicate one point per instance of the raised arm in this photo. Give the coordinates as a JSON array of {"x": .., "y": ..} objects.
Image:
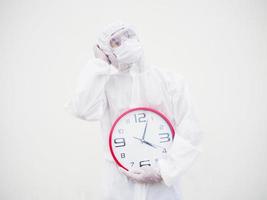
[{"x": 89, "y": 101}]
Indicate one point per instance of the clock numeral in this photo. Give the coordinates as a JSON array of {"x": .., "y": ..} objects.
[
  {"x": 161, "y": 127},
  {"x": 164, "y": 150},
  {"x": 165, "y": 137},
  {"x": 122, "y": 155},
  {"x": 132, "y": 163},
  {"x": 140, "y": 117},
  {"x": 121, "y": 131},
  {"x": 120, "y": 142},
  {"x": 144, "y": 163}
]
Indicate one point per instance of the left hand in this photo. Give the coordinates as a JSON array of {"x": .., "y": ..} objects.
[{"x": 145, "y": 174}]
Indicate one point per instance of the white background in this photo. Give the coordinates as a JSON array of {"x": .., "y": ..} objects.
[{"x": 220, "y": 47}]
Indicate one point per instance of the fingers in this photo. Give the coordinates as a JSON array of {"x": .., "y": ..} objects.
[
  {"x": 134, "y": 175},
  {"x": 137, "y": 171},
  {"x": 144, "y": 175},
  {"x": 98, "y": 52}
]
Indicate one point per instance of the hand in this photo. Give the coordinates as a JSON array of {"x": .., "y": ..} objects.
[
  {"x": 98, "y": 52},
  {"x": 146, "y": 174}
]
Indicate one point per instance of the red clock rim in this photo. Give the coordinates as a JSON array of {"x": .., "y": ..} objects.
[{"x": 125, "y": 113}]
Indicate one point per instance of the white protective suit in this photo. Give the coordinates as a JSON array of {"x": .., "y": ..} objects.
[{"x": 104, "y": 92}]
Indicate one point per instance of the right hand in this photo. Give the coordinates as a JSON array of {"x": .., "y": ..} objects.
[
  {"x": 100, "y": 54},
  {"x": 145, "y": 174}
]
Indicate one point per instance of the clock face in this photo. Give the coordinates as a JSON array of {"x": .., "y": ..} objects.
[{"x": 139, "y": 137}]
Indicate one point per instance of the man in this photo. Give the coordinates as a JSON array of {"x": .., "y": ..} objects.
[{"x": 119, "y": 79}]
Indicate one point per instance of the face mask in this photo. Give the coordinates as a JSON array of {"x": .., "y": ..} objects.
[{"x": 129, "y": 52}]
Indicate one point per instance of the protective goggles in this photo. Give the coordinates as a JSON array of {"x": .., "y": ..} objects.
[{"x": 120, "y": 36}]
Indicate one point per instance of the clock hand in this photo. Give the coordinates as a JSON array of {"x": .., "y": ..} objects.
[
  {"x": 138, "y": 139},
  {"x": 143, "y": 141},
  {"x": 148, "y": 143},
  {"x": 144, "y": 133},
  {"x": 153, "y": 144}
]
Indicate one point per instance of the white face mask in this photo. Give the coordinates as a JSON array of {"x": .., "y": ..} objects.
[{"x": 129, "y": 52}]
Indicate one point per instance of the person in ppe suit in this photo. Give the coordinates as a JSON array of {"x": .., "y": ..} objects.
[{"x": 118, "y": 79}]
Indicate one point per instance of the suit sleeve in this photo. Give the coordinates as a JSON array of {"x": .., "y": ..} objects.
[
  {"x": 89, "y": 101},
  {"x": 186, "y": 145}
]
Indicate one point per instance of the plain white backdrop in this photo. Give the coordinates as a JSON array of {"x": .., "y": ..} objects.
[{"x": 220, "y": 47}]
